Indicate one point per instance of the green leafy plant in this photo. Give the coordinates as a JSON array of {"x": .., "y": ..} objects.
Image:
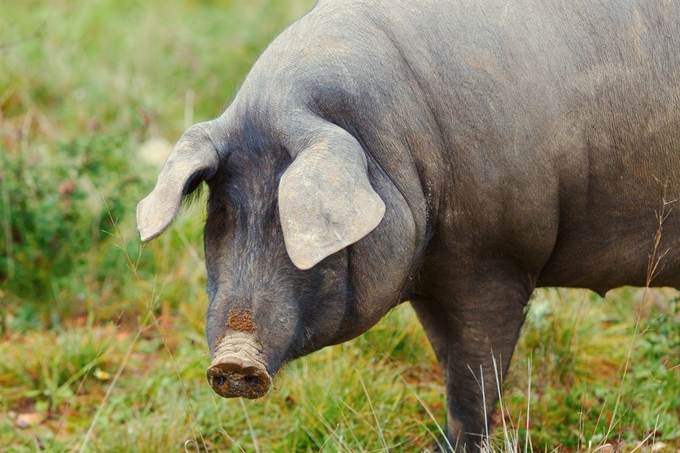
[{"x": 57, "y": 209}]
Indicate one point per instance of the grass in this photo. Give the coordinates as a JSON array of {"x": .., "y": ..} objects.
[
  {"x": 101, "y": 339},
  {"x": 595, "y": 379}
]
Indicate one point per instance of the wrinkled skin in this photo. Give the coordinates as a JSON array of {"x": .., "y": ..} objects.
[{"x": 498, "y": 147}]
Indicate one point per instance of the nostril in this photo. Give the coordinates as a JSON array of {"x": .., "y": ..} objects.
[
  {"x": 252, "y": 381},
  {"x": 221, "y": 381}
]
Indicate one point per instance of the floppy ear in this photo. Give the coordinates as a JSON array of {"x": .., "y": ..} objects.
[
  {"x": 326, "y": 201},
  {"x": 192, "y": 160}
]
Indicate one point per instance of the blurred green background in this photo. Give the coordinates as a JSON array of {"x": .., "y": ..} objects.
[
  {"x": 92, "y": 96},
  {"x": 101, "y": 339}
]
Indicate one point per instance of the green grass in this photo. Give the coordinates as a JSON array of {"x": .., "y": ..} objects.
[
  {"x": 604, "y": 370},
  {"x": 101, "y": 339}
]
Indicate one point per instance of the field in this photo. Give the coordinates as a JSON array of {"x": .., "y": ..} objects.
[{"x": 102, "y": 343}]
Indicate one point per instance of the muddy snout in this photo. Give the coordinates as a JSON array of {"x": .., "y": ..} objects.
[
  {"x": 232, "y": 378},
  {"x": 238, "y": 369}
]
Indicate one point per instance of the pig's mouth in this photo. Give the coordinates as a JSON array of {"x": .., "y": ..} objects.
[{"x": 238, "y": 368}]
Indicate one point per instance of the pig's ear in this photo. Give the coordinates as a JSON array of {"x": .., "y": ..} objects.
[
  {"x": 326, "y": 201},
  {"x": 192, "y": 160}
]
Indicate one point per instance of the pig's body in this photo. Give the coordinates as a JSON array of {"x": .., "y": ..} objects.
[{"x": 509, "y": 145}]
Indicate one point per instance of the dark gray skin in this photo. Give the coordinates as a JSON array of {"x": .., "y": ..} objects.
[{"x": 511, "y": 145}]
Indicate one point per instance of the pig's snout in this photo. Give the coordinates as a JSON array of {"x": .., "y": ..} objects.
[
  {"x": 238, "y": 370},
  {"x": 234, "y": 377}
]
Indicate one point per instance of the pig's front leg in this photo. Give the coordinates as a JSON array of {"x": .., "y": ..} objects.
[{"x": 481, "y": 319}]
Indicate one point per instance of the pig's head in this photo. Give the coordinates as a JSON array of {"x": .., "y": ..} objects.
[{"x": 301, "y": 251}]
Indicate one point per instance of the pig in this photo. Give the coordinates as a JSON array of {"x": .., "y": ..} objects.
[{"x": 455, "y": 154}]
